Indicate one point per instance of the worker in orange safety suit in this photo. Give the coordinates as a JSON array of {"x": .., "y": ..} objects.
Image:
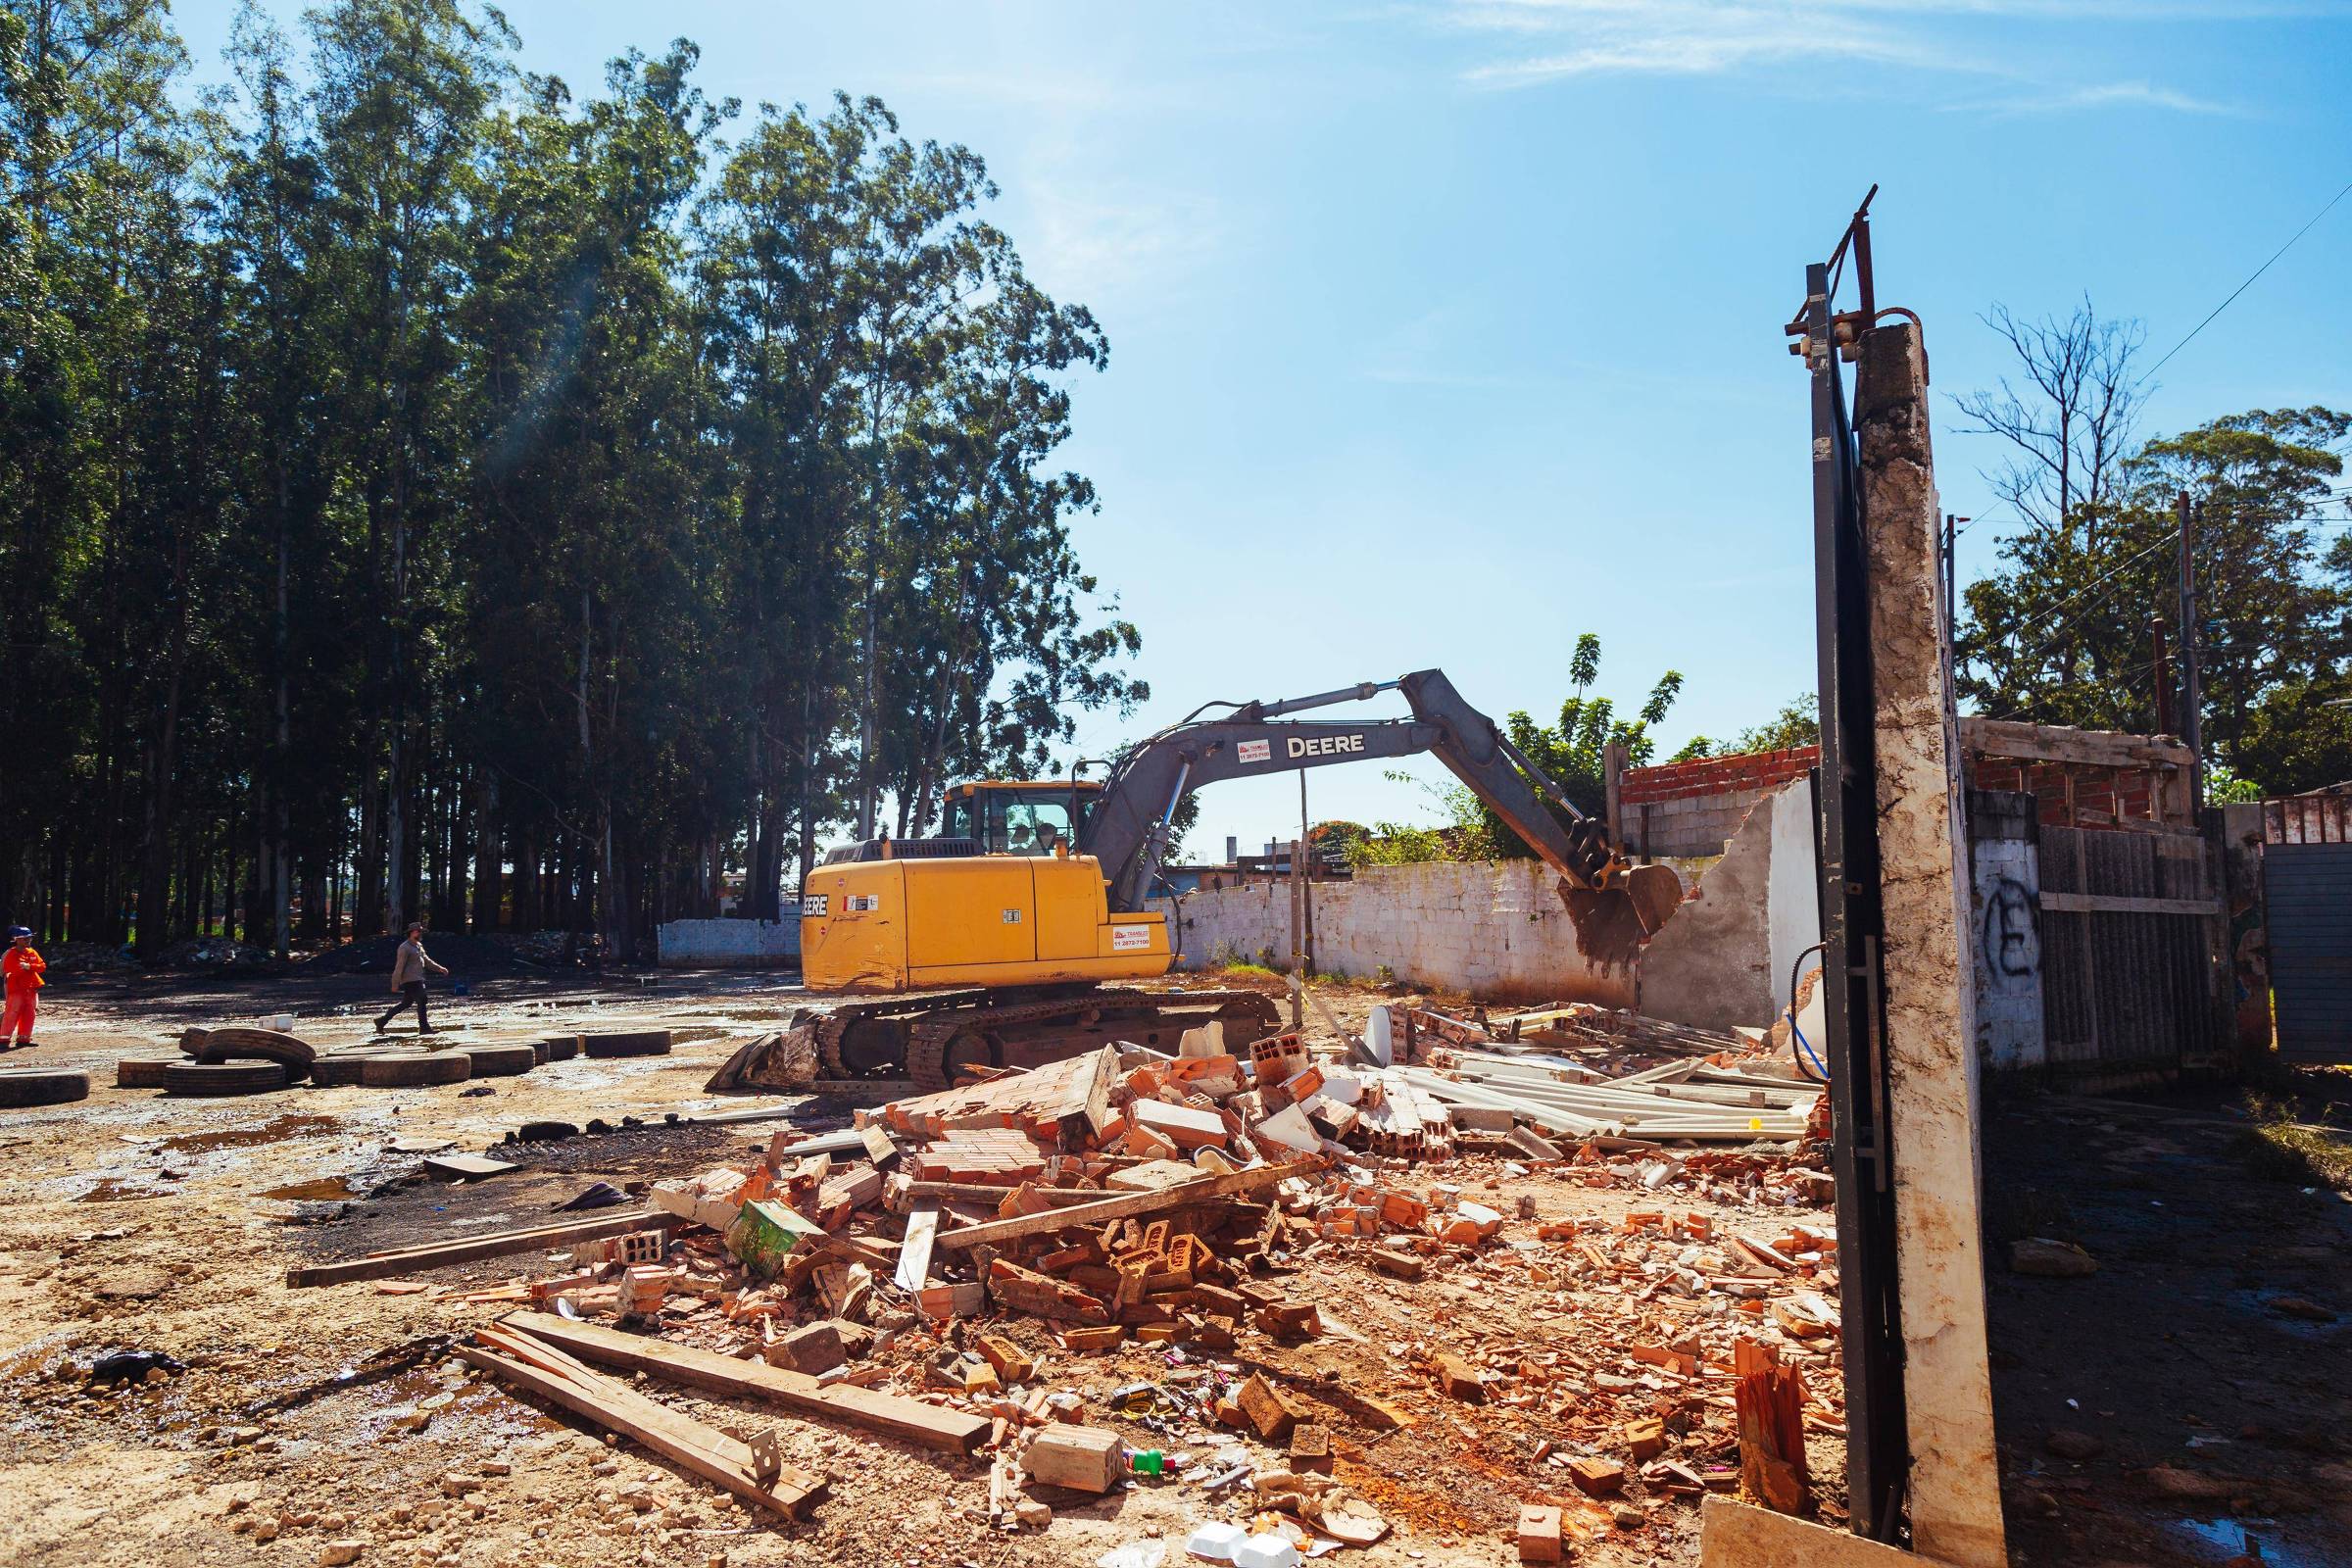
[{"x": 23, "y": 968}]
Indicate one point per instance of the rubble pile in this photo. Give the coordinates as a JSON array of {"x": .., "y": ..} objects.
[{"x": 1236, "y": 1272}]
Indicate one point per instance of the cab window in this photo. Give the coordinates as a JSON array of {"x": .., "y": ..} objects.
[{"x": 1035, "y": 826}]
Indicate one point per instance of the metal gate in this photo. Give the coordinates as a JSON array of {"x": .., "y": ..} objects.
[
  {"x": 2133, "y": 954},
  {"x": 2307, "y": 891}
]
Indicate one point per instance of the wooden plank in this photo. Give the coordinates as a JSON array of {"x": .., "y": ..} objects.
[
  {"x": 709, "y": 1452},
  {"x": 2110, "y": 903},
  {"x": 1126, "y": 1205},
  {"x": 992, "y": 1195},
  {"x": 925, "y": 1424},
  {"x": 915, "y": 1254},
  {"x": 2053, "y": 743},
  {"x": 464, "y": 1167},
  {"x": 496, "y": 1244}
]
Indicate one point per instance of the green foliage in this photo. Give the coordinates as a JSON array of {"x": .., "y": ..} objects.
[
  {"x": 1797, "y": 723},
  {"x": 421, "y": 490},
  {"x": 2061, "y": 634},
  {"x": 1463, "y": 836},
  {"x": 2297, "y": 738},
  {"x": 1570, "y": 749}
]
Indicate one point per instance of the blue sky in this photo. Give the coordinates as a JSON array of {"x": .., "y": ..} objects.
[{"x": 1441, "y": 333}]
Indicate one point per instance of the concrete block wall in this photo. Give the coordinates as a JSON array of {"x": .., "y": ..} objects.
[
  {"x": 1693, "y": 807},
  {"x": 1493, "y": 929},
  {"x": 1498, "y": 930},
  {"x": 728, "y": 944}
]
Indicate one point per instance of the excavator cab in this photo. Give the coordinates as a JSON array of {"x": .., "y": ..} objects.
[{"x": 1017, "y": 819}]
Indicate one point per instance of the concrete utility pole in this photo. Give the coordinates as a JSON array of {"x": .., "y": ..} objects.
[
  {"x": 1931, "y": 1032},
  {"x": 1612, "y": 771},
  {"x": 2192, "y": 693}
]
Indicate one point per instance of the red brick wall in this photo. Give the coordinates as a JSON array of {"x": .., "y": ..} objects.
[
  {"x": 2099, "y": 792},
  {"x": 1716, "y": 775}
]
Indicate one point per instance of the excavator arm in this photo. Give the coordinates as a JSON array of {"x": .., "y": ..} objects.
[{"x": 1127, "y": 831}]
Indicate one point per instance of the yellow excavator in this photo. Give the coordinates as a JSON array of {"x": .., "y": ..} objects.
[{"x": 996, "y": 942}]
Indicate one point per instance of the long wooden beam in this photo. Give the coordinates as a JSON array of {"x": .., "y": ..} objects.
[
  {"x": 1126, "y": 1205},
  {"x": 435, "y": 1254},
  {"x": 705, "y": 1451},
  {"x": 897, "y": 1416}
]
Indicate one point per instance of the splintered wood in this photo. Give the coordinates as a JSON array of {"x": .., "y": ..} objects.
[{"x": 1770, "y": 1400}]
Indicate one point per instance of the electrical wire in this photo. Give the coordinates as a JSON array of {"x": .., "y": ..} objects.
[
  {"x": 2249, "y": 282},
  {"x": 1796, "y": 1033}
]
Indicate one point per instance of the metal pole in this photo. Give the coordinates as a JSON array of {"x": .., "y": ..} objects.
[
  {"x": 1298, "y": 937},
  {"x": 1306, "y": 885},
  {"x": 2192, "y": 694},
  {"x": 1878, "y": 1442},
  {"x": 2164, "y": 677}
]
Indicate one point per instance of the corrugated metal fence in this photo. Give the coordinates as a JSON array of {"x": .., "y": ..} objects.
[
  {"x": 2132, "y": 927},
  {"x": 2307, "y": 893}
]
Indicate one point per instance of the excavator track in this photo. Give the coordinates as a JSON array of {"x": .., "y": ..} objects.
[{"x": 925, "y": 1037}]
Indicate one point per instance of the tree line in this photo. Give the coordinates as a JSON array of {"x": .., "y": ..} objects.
[
  {"x": 427, "y": 493},
  {"x": 2064, "y": 631}
]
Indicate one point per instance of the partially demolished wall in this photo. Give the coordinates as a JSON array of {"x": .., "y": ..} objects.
[
  {"x": 1493, "y": 929},
  {"x": 1497, "y": 930}
]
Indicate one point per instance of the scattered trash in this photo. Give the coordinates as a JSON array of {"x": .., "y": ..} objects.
[{"x": 598, "y": 1195}]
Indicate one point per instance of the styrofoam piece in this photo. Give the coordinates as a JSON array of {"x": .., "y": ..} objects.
[
  {"x": 1216, "y": 1540},
  {"x": 1266, "y": 1551}
]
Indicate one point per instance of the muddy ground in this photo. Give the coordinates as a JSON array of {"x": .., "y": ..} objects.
[
  {"x": 2186, "y": 1403},
  {"x": 137, "y": 1222}
]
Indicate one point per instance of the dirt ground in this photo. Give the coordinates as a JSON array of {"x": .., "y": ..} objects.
[
  {"x": 137, "y": 1222},
  {"x": 2186, "y": 1404}
]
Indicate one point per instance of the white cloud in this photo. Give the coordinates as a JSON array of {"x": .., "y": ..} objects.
[
  {"x": 2097, "y": 95},
  {"x": 1565, "y": 39}
]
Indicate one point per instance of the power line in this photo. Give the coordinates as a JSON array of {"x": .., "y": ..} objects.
[{"x": 2249, "y": 282}]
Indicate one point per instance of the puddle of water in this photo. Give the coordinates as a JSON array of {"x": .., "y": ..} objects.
[
  {"x": 269, "y": 1132},
  {"x": 111, "y": 1191},
  {"x": 2250, "y": 1537},
  {"x": 327, "y": 1190}
]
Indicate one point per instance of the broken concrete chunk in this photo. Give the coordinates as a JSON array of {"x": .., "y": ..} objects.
[
  {"x": 2038, "y": 1254},
  {"x": 1083, "y": 1458},
  {"x": 1540, "y": 1534}
]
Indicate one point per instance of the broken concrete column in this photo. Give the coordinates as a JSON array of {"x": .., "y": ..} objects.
[{"x": 1931, "y": 1028}]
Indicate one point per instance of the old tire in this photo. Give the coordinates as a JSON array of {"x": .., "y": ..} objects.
[
  {"x": 633, "y": 1043},
  {"x": 142, "y": 1072},
  {"x": 500, "y": 1061},
  {"x": 215, "y": 1078},
  {"x": 341, "y": 1069},
  {"x": 240, "y": 1042},
  {"x": 415, "y": 1072},
  {"x": 192, "y": 1039},
  {"x": 43, "y": 1087},
  {"x": 561, "y": 1048}
]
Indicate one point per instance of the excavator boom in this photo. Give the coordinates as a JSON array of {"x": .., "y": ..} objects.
[{"x": 1127, "y": 831}]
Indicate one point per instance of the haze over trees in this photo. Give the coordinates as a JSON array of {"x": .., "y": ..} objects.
[{"x": 424, "y": 490}]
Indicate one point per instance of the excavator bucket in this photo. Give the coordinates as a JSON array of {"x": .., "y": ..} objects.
[{"x": 1656, "y": 892}]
